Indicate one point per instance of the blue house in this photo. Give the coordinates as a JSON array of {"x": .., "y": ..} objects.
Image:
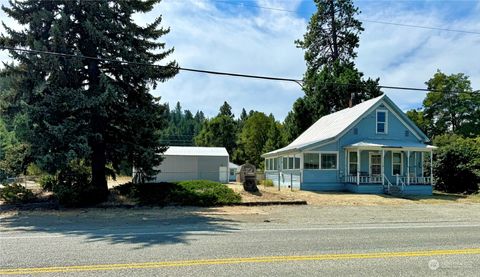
[{"x": 372, "y": 147}]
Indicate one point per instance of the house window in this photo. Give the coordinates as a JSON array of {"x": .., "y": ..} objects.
[
  {"x": 311, "y": 161},
  {"x": 396, "y": 163},
  {"x": 285, "y": 163},
  {"x": 275, "y": 164},
  {"x": 352, "y": 163},
  {"x": 290, "y": 162},
  {"x": 329, "y": 161},
  {"x": 382, "y": 122},
  {"x": 297, "y": 162}
]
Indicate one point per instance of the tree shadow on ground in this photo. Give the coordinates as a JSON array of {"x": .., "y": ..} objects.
[
  {"x": 143, "y": 227},
  {"x": 437, "y": 196}
]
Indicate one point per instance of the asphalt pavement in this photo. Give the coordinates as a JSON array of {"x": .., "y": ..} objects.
[{"x": 413, "y": 240}]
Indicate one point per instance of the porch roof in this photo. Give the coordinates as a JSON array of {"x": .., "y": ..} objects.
[{"x": 393, "y": 144}]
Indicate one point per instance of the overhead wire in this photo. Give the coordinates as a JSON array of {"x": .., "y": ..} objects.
[
  {"x": 362, "y": 19},
  {"x": 222, "y": 73}
]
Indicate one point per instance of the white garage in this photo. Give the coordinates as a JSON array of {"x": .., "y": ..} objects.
[{"x": 194, "y": 163}]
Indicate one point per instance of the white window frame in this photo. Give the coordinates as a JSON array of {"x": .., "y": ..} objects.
[
  {"x": 401, "y": 162},
  {"x": 319, "y": 161},
  {"x": 370, "y": 154},
  {"x": 328, "y": 152},
  {"x": 348, "y": 161},
  {"x": 386, "y": 122}
]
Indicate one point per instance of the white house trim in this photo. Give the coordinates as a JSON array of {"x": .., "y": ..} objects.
[
  {"x": 401, "y": 162},
  {"x": 320, "y": 159},
  {"x": 385, "y": 128}
]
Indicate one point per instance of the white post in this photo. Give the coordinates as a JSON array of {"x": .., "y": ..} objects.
[
  {"x": 382, "y": 167},
  {"x": 431, "y": 167},
  {"x": 358, "y": 166},
  {"x": 423, "y": 160},
  {"x": 345, "y": 169},
  {"x": 408, "y": 167},
  {"x": 415, "y": 163}
]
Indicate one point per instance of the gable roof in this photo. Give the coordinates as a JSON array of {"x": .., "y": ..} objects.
[
  {"x": 196, "y": 151},
  {"x": 333, "y": 125}
]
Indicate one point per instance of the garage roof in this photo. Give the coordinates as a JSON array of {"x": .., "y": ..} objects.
[{"x": 196, "y": 151}]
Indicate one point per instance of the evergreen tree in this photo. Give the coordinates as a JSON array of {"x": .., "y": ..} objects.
[
  {"x": 219, "y": 132},
  {"x": 226, "y": 109},
  {"x": 90, "y": 111},
  {"x": 331, "y": 81}
]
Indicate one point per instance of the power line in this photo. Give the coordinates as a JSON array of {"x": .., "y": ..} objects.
[
  {"x": 362, "y": 19},
  {"x": 155, "y": 65},
  {"x": 297, "y": 81}
]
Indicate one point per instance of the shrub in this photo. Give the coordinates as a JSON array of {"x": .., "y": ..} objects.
[
  {"x": 73, "y": 187},
  {"x": 188, "y": 193},
  {"x": 457, "y": 166},
  {"x": 47, "y": 182},
  {"x": 267, "y": 183},
  {"x": 203, "y": 193},
  {"x": 16, "y": 194}
]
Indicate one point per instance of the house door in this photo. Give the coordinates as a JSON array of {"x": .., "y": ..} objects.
[{"x": 375, "y": 164}]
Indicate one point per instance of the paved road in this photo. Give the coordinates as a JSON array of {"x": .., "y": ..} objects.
[{"x": 416, "y": 240}]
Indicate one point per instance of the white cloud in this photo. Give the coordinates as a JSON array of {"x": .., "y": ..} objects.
[{"x": 234, "y": 38}]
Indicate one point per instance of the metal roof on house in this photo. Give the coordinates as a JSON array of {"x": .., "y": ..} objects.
[
  {"x": 232, "y": 165},
  {"x": 390, "y": 143},
  {"x": 332, "y": 125},
  {"x": 196, "y": 151}
]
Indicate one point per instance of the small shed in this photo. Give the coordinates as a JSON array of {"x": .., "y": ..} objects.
[
  {"x": 232, "y": 169},
  {"x": 193, "y": 163}
]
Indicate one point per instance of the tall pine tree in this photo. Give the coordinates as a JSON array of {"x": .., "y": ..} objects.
[
  {"x": 90, "y": 110},
  {"x": 331, "y": 79}
]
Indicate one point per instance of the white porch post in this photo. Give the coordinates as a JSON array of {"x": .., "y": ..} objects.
[
  {"x": 383, "y": 166},
  {"x": 423, "y": 160},
  {"x": 408, "y": 167},
  {"x": 345, "y": 169},
  {"x": 431, "y": 167},
  {"x": 415, "y": 163},
  {"x": 358, "y": 166}
]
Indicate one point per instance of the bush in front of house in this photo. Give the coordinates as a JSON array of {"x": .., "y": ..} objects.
[
  {"x": 457, "y": 165},
  {"x": 16, "y": 194},
  {"x": 203, "y": 193},
  {"x": 267, "y": 183},
  {"x": 187, "y": 193}
]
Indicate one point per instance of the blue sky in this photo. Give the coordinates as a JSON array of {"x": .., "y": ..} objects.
[{"x": 236, "y": 36}]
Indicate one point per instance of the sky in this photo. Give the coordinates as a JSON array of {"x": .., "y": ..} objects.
[{"x": 257, "y": 37}]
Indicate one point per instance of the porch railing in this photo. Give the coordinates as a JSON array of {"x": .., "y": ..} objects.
[
  {"x": 414, "y": 180},
  {"x": 376, "y": 179},
  {"x": 363, "y": 179}
]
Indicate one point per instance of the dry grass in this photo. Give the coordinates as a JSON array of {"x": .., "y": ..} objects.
[
  {"x": 120, "y": 180},
  {"x": 349, "y": 199}
]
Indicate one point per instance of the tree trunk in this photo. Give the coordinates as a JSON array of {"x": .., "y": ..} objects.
[
  {"x": 99, "y": 180},
  {"x": 334, "y": 31},
  {"x": 98, "y": 125}
]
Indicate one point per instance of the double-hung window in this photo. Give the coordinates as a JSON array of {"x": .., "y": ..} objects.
[
  {"x": 382, "y": 122},
  {"x": 396, "y": 163},
  {"x": 352, "y": 163}
]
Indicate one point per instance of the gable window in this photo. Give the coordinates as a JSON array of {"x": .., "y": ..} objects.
[
  {"x": 382, "y": 122},
  {"x": 352, "y": 163},
  {"x": 311, "y": 161},
  {"x": 396, "y": 163},
  {"x": 329, "y": 160}
]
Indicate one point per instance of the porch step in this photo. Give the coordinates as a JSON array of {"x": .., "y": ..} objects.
[{"x": 394, "y": 190}]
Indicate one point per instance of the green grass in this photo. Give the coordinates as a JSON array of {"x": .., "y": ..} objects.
[{"x": 187, "y": 193}]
